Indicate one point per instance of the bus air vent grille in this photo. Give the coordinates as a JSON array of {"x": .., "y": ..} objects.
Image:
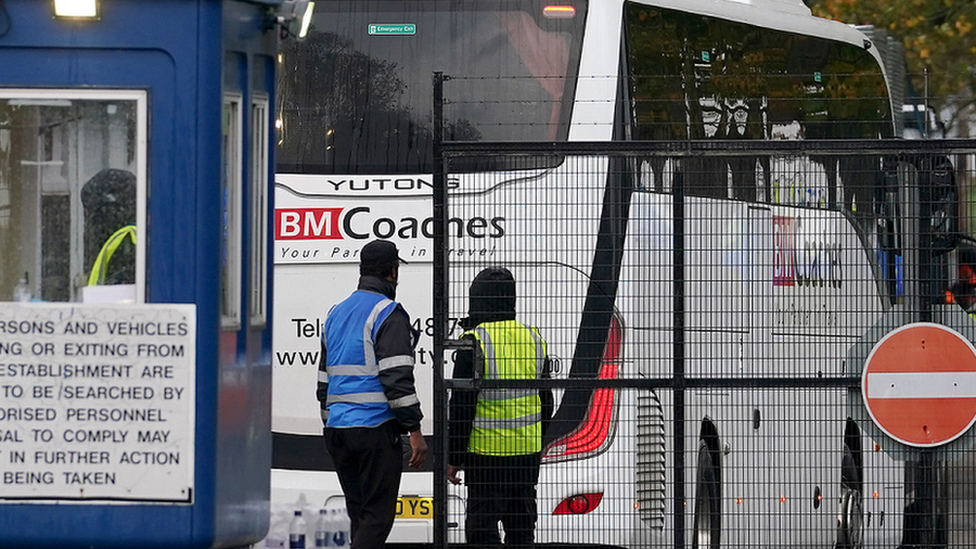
[{"x": 650, "y": 460}]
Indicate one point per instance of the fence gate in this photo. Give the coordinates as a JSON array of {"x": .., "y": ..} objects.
[{"x": 718, "y": 317}]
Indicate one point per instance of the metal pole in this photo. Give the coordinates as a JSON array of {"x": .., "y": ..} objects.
[
  {"x": 440, "y": 319},
  {"x": 917, "y": 265},
  {"x": 678, "y": 365},
  {"x": 925, "y": 105},
  {"x": 910, "y": 245}
]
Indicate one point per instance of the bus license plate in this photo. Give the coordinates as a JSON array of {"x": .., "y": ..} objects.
[{"x": 414, "y": 507}]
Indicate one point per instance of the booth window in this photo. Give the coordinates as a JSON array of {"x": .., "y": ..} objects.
[
  {"x": 230, "y": 265},
  {"x": 72, "y": 195},
  {"x": 259, "y": 210}
]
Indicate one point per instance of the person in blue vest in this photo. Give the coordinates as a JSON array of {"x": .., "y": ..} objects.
[
  {"x": 367, "y": 395},
  {"x": 495, "y": 434}
]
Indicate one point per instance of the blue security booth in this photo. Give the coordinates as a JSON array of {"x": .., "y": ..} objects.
[{"x": 136, "y": 154}]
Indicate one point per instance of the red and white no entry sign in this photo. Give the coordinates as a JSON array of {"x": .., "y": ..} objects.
[{"x": 919, "y": 384}]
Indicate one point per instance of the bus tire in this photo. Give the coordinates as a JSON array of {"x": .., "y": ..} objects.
[
  {"x": 708, "y": 511},
  {"x": 850, "y": 512}
]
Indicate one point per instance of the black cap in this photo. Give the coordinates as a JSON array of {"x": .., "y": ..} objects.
[{"x": 379, "y": 255}]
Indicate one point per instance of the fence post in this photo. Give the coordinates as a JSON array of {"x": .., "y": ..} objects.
[
  {"x": 918, "y": 276},
  {"x": 678, "y": 365},
  {"x": 440, "y": 281}
]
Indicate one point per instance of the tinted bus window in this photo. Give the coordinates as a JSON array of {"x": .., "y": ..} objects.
[
  {"x": 356, "y": 94},
  {"x": 697, "y": 77}
]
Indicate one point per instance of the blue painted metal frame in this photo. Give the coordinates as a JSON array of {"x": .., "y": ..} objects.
[{"x": 176, "y": 50}]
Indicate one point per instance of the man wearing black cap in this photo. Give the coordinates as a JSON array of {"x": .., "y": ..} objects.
[
  {"x": 496, "y": 433},
  {"x": 367, "y": 395}
]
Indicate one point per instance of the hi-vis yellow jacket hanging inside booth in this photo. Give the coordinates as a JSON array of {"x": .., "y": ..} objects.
[{"x": 100, "y": 267}]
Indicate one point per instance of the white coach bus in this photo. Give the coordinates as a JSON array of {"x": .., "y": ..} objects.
[{"x": 787, "y": 266}]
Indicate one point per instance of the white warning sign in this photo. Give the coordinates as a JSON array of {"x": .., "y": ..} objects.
[{"x": 97, "y": 402}]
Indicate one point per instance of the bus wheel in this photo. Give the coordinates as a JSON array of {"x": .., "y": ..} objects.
[
  {"x": 850, "y": 517},
  {"x": 708, "y": 521}
]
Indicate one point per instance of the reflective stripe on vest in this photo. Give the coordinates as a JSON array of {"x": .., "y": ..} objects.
[
  {"x": 356, "y": 397},
  {"x": 508, "y": 421}
]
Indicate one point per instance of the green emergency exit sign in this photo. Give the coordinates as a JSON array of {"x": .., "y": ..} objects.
[{"x": 376, "y": 29}]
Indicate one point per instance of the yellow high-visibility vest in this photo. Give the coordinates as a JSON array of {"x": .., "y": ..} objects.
[
  {"x": 97, "y": 275},
  {"x": 508, "y": 421}
]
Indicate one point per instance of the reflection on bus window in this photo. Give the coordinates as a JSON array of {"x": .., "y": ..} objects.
[
  {"x": 68, "y": 199},
  {"x": 518, "y": 70},
  {"x": 694, "y": 77}
]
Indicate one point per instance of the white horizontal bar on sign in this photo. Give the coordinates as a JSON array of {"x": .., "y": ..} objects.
[{"x": 922, "y": 385}]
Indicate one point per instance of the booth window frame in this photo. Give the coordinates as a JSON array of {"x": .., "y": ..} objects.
[{"x": 141, "y": 150}]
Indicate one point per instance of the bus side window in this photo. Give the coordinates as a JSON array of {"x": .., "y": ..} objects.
[{"x": 695, "y": 77}]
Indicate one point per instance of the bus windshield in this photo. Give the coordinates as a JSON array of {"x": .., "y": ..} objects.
[{"x": 356, "y": 94}]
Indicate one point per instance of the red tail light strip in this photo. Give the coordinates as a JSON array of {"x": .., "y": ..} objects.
[{"x": 595, "y": 433}]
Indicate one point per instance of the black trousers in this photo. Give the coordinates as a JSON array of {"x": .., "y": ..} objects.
[
  {"x": 501, "y": 489},
  {"x": 369, "y": 462}
]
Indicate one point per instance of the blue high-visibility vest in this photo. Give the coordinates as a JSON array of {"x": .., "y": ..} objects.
[{"x": 356, "y": 397}]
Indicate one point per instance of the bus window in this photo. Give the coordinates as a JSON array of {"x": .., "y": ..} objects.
[
  {"x": 697, "y": 77},
  {"x": 72, "y": 185},
  {"x": 355, "y": 95}
]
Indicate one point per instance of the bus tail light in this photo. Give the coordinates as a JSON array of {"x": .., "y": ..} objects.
[
  {"x": 580, "y": 504},
  {"x": 595, "y": 433}
]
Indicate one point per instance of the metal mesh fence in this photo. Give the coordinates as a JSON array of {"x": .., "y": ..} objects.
[{"x": 710, "y": 311}]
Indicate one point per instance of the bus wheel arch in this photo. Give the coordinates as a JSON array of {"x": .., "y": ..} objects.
[
  {"x": 708, "y": 490},
  {"x": 850, "y": 512}
]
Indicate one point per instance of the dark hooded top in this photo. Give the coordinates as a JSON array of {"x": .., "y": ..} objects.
[{"x": 491, "y": 298}]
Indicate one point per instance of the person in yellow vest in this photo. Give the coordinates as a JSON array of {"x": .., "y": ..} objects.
[{"x": 495, "y": 434}]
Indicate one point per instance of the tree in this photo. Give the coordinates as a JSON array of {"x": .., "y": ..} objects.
[{"x": 939, "y": 37}]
